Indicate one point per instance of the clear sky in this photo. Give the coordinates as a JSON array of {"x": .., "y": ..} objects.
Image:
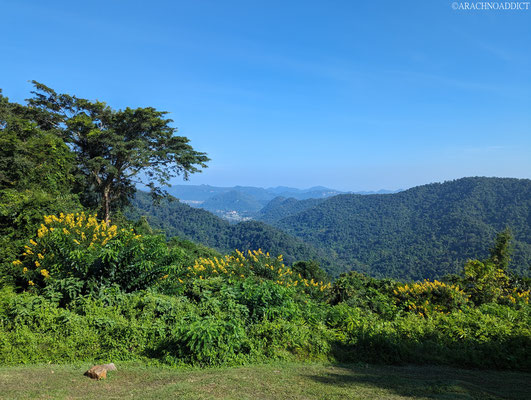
[{"x": 354, "y": 95}]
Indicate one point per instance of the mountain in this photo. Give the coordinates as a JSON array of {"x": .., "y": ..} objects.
[
  {"x": 381, "y": 191},
  {"x": 178, "y": 219},
  {"x": 315, "y": 192},
  {"x": 196, "y": 192},
  {"x": 241, "y": 202},
  {"x": 280, "y": 208},
  {"x": 234, "y": 203},
  {"x": 424, "y": 232}
]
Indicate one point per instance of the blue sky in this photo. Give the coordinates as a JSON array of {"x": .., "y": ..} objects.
[{"x": 346, "y": 94}]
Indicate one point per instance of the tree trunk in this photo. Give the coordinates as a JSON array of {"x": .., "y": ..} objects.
[{"x": 106, "y": 205}]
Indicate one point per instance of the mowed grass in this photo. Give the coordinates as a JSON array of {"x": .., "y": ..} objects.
[{"x": 279, "y": 381}]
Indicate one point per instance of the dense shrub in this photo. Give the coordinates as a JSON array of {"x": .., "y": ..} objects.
[
  {"x": 74, "y": 254},
  {"x": 257, "y": 264},
  {"x": 89, "y": 291},
  {"x": 428, "y": 297}
]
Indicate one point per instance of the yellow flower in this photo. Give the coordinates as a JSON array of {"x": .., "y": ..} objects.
[
  {"x": 31, "y": 283},
  {"x": 24, "y": 270},
  {"x": 17, "y": 263},
  {"x": 41, "y": 257},
  {"x": 33, "y": 242},
  {"x": 37, "y": 264},
  {"x": 45, "y": 273}
]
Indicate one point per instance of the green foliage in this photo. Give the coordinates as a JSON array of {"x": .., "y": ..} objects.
[
  {"x": 469, "y": 338},
  {"x": 310, "y": 270},
  {"x": 358, "y": 290},
  {"x": 425, "y": 232},
  {"x": 280, "y": 208},
  {"x": 489, "y": 281},
  {"x": 99, "y": 290},
  {"x": 428, "y": 297},
  {"x": 500, "y": 253},
  {"x": 75, "y": 254},
  {"x": 83, "y": 289},
  {"x": 484, "y": 281},
  {"x": 115, "y": 149},
  {"x": 36, "y": 178},
  {"x": 178, "y": 219}
]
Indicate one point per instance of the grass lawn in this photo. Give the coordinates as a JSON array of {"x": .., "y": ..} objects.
[{"x": 277, "y": 381}]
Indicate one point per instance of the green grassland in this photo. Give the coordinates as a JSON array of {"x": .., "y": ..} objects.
[{"x": 274, "y": 381}]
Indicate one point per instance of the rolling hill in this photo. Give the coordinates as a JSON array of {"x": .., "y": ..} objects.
[
  {"x": 178, "y": 219},
  {"x": 240, "y": 203},
  {"x": 280, "y": 208},
  {"x": 424, "y": 232}
]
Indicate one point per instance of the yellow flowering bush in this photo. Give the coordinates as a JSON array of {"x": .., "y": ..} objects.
[
  {"x": 427, "y": 297},
  {"x": 485, "y": 281},
  {"x": 252, "y": 263},
  {"x": 515, "y": 297},
  {"x": 79, "y": 246}
]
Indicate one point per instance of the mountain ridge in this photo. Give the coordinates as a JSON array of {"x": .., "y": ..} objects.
[{"x": 426, "y": 231}]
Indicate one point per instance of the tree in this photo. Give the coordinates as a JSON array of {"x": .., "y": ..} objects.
[
  {"x": 500, "y": 253},
  {"x": 36, "y": 177},
  {"x": 487, "y": 280},
  {"x": 310, "y": 270},
  {"x": 116, "y": 149}
]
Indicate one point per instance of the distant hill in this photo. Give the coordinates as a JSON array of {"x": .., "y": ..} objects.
[
  {"x": 316, "y": 192},
  {"x": 426, "y": 231},
  {"x": 196, "y": 192},
  {"x": 178, "y": 219},
  {"x": 241, "y": 202},
  {"x": 280, "y": 208}
]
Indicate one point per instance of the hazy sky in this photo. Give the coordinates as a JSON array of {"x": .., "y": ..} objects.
[{"x": 347, "y": 94}]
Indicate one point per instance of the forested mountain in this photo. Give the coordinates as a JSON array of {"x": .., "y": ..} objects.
[
  {"x": 426, "y": 231},
  {"x": 241, "y": 202},
  {"x": 280, "y": 207},
  {"x": 178, "y": 219},
  {"x": 316, "y": 192},
  {"x": 233, "y": 200}
]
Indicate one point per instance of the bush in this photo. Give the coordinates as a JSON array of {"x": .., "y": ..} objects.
[
  {"x": 257, "y": 264},
  {"x": 93, "y": 291},
  {"x": 427, "y": 297},
  {"x": 75, "y": 254}
]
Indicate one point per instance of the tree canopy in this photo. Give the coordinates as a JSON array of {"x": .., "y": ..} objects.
[
  {"x": 424, "y": 232},
  {"x": 36, "y": 176},
  {"x": 116, "y": 149}
]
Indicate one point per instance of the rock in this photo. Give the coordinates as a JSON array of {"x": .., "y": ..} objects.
[
  {"x": 97, "y": 372},
  {"x": 109, "y": 367}
]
